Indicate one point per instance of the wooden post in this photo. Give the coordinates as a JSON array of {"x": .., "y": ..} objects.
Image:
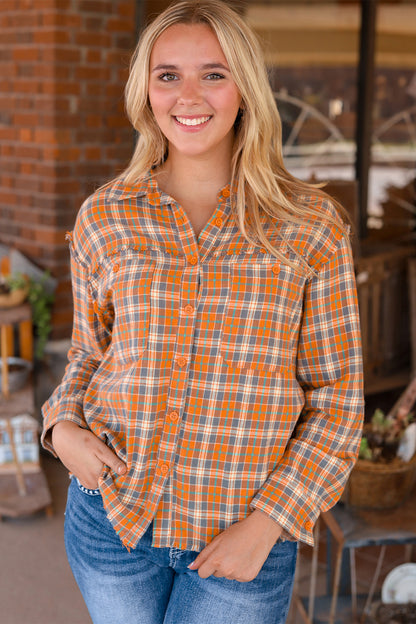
[
  {"x": 412, "y": 301},
  {"x": 4, "y": 333},
  {"x": 364, "y": 125},
  {"x": 26, "y": 340}
]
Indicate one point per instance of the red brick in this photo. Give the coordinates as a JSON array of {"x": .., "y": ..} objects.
[
  {"x": 50, "y": 236},
  {"x": 6, "y": 182},
  {"x": 59, "y": 37},
  {"x": 26, "y": 86},
  {"x": 119, "y": 25},
  {"x": 124, "y": 42},
  {"x": 63, "y": 55},
  {"x": 93, "y": 153},
  {"x": 114, "y": 91},
  {"x": 95, "y": 6},
  {"x": 66, "y": 20},
  {"x": 26, "y": 135},
  {"x": 44, "y": 71},
  {"x": 26, "y": 54},
  {"x": 94, "y": 121},
  {"x": 87, "y": 73},
  {"x": 25, "y": 119},
  {"x": 116, "y": 121},
  {"x": 91, "y": 90},
  {"x": 7, "y": 197},
  {"x": 52, "y": 4},
  {"x": 127, "y": 9},
  {"x": 60, "y": 88},
  {"x": 27, "y": 151},
  {"x": 92, "y": 39},
  {"x": 8, "y": 134},
  {"x": 94, "y": 56},
  {"x": 27, "y": 20}
]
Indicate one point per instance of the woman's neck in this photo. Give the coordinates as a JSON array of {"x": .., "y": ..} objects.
[
  {"x": 195, "y": 186},
  {"x": 193, "y": 178}
]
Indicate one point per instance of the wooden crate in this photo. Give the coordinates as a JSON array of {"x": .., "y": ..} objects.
[{"x": 383, "y": 298}]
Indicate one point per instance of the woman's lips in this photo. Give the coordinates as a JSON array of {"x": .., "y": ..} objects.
[{"x": 192, "y": 122}]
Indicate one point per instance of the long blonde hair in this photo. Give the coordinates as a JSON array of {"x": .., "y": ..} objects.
[{"x": 264, "y": 188}]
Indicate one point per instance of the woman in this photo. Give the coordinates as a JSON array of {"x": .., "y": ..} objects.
[{"x": 212, "y": 403}]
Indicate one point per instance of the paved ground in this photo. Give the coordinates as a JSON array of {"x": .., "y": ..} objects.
[{"x": 36, "y": 583}]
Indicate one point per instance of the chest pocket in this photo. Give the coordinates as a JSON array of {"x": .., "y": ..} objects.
[
  {"x": 259, "y": 319},
  {"x": 123, "y": 287}
]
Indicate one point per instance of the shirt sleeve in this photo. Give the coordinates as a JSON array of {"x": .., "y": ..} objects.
[
  {"x": 314, "y": 469},
  {"x": 89, "y": 342}
]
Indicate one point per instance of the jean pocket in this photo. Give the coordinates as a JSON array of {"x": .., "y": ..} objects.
[{"x": 88, "y": 491}]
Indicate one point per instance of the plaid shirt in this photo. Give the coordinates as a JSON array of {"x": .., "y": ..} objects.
[{"x": 224, "y": 379}]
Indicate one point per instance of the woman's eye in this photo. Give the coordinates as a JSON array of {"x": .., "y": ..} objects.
[
  {"x": 214, "y": 76},
  {"x": 167, "y": 77}
]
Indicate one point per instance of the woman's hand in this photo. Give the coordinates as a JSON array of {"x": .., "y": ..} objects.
[
  {"x": 239, "y": 552},
  {"x": 83, "y": 453}
]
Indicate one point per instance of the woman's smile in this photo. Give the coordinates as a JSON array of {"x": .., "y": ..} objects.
[{"x": 193, "y": 122}]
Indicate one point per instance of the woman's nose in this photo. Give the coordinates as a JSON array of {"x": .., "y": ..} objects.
[{"x": 190, "y": 92}]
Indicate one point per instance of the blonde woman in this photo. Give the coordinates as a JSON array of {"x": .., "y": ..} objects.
[{"x": 212, "y": 403}]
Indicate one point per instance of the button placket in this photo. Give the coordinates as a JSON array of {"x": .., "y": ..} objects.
[{"x": 187, "y": 292}]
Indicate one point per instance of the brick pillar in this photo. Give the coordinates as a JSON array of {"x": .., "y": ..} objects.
[{"x": 63, "y": 131}]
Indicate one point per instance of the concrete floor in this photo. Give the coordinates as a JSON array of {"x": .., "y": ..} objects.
[{"x": 36, "y": 583}]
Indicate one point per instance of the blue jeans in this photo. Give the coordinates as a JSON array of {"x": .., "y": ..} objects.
[{"x": 154, "y": 586}]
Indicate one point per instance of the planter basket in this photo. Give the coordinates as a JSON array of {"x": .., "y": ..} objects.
[
  {"x": 380, "y": 486},
  {"x": 13, "y": 298}
]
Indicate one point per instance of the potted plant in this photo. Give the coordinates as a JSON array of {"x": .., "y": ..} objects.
[
  {"x": 13, "y": 290},
  {"x": 382, "y": 436},
  {"x": 385, "y": 472},
  {"x": 16, "y": 288}
]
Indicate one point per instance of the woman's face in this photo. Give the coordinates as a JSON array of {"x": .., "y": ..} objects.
[{"x": 193, "y": 96}]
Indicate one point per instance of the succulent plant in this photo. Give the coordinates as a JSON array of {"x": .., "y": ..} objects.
[{"x": 382, "y": 435}]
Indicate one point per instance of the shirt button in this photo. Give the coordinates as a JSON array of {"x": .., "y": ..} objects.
[
  {"x": 276, "y": 269},
  {"x": 116, "y": 268},
  {"x": 193, "y": 260},
  {"x": 226, "y": 193},
  {"x": 218, "y": 222},
  {"x": 181, "y": 362},
  {"x": 174, "y": 416},
  {"x": 164, "y": 469},
  {"x": 189, "y": 309},
  {"x": 308, "y": 525}
]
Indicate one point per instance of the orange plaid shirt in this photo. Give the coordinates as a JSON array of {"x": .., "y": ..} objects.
[{"x": 224, "y": 379}]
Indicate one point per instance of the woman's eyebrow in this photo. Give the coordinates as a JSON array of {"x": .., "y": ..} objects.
[
  {"x": 162, "y": 66},
  {"x": 167, "y": 67}
]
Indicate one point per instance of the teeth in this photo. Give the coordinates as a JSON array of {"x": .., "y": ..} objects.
[{"x": 192, "y": 122}]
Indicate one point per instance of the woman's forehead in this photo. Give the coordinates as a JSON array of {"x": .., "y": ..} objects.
[{"x": 187, "y": 42}]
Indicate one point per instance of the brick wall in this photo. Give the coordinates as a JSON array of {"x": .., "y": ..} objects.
[{"x": 63, "y": 132}]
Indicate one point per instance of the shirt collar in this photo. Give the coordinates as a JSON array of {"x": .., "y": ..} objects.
[{"x": 119, "y": 191}]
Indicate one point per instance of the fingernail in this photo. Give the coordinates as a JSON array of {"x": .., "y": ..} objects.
[
  {"x": 191, "y": 565},
  {"x": 121, "y": 468}
]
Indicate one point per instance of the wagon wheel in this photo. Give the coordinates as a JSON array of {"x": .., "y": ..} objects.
[
  {"x": 400, "y": 126},
  {"x": 400, "y": 129},
  {"x": 308, "y": 136}
]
